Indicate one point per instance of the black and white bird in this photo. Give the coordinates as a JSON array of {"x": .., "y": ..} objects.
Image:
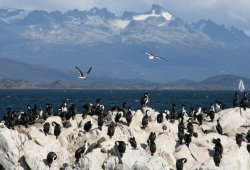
[
  {"x": 46, "y": 127},
  {"x": 133, "y": 142},
  {"x": 179, "y": 163},
  {"x": 153, "y": 57},
  {"x": 51, "y": 157},
  {"x": 248, "y": 148},
  {"x": 57, "y": 129},
  {"x": 82, "y": 75},
  {"x": 87, "y": 126},
  {"x": 144, "y": 100},
  {"x": 145, "y": 120},
  {"x": 79, "y": 152},
  {"x": 121, "y": 146},
  {"x": 219, "y": 128},
  {"x": 239, "y": 139}
]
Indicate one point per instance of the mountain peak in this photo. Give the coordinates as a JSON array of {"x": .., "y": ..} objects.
[
  {"x": 156, "y": 11},
  {"x": 220, "y": 32},
  {"x": 101, "y": 12}
]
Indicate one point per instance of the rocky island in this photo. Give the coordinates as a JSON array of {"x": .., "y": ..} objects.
[{"x": 27, "y": 148}]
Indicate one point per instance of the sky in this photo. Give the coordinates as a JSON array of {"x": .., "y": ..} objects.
[{"x": 228, "y": 12}]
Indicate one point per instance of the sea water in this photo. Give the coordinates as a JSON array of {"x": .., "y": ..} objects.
[{"x": 159, "y": 100}]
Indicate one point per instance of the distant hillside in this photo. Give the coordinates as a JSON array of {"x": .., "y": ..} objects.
[
  {"x": 230, "y": 82},
  {"x": 15, "y": 70},
  {"x": 220, "y": 82},
  {"x": 16, "y": 84}
]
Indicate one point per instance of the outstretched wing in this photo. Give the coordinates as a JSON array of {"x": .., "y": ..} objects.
[
  {"x": 161, "y": 58},
  {"x": 80, "y": 72},
  {"x": 89, "y": 70},
  {"x": 149, "y": 54}
]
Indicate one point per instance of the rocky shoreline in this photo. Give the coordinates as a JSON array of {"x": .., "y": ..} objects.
[{"x": 27, "y": 148}]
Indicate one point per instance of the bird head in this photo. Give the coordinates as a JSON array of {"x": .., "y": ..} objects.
[{"x": 55, "y": 157}]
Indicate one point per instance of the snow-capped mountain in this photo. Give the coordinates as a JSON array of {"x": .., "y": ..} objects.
[{"x": 114, "y": 45}]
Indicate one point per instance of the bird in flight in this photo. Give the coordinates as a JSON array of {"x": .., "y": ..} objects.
[
  {"x": 153, "y": 57},
  {"x": 83, "y": 76}
]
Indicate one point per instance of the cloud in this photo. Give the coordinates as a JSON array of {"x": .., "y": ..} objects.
[
  {"x": 228, "y": 12},
  {"x": 47, "y": 4}
]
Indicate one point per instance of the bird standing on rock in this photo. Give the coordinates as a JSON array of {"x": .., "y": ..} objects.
[
  {"x": 152, "y": 137},
  {"x": 145, "y": 120},
  {"x": 100, "y": 122},
  {"x": 79, "y": 153},
  {"x": 187, "y": 138},
  {"x": 179, "y": 163},
  {"x": 173, "y": 114},
  {"x": 121, "y": 146},
  {"x": 217, "y": 158},
  {"x": 248, "y": 136},
  {"x": 219, "y": 128},
  {"x": 248, "y": 148},
  {"x": 133, "y": 142},
  {"x": 181, "y": 124},
  {"x": 236, "y": 100},
  {"x": 190, "y": 126},
  {"x": 111, "y": 129},
  {"x": 181, "y": 134},
  {"x": 87, "y": 126},
  {"x": 57, "y": 130},
  {"x": 129, "y": 116},
  {"x": 51, "y": 157},
  {"x": 244, "y": 101},
  {"x": 211, "y": 113},
  {"x": 46, "y": 128},
  {"x": 239, "y": 139},
  {"x": 218, "y": 150},
  {"x": 118, "y": 116},
  {"x": 144, "y": 100},
  {"x": 218, "y": 146},
  {"x": 152, "y": 147},
  {"x": 199, "y": 115},
  {"x": 159, "y": 118}
]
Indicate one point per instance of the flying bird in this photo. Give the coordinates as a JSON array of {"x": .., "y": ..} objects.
[
  {"x": 153, "y": 57},
  {"x": 83, "y": 76}
]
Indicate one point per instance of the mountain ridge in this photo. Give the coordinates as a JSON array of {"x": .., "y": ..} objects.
[
  {"x": 217, "y": 82},
  {"x": 114, "y": 45}
]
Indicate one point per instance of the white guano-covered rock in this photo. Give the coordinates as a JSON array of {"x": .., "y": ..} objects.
[{"x": 28, "y": 148}]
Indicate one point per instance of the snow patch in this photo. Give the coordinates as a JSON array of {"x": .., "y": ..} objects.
[
  {"x": 19, "y": 16},
  {"x": 162, "y": 24},
  {"x": 165, "y": 15},
  {"x": 120, "y": 23}
]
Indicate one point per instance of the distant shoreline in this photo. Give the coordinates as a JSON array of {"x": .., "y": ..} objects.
[{"x": 130, "y": 89}]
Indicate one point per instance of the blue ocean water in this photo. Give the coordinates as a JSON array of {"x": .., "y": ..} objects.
[{"x": 158, "y": 99}]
